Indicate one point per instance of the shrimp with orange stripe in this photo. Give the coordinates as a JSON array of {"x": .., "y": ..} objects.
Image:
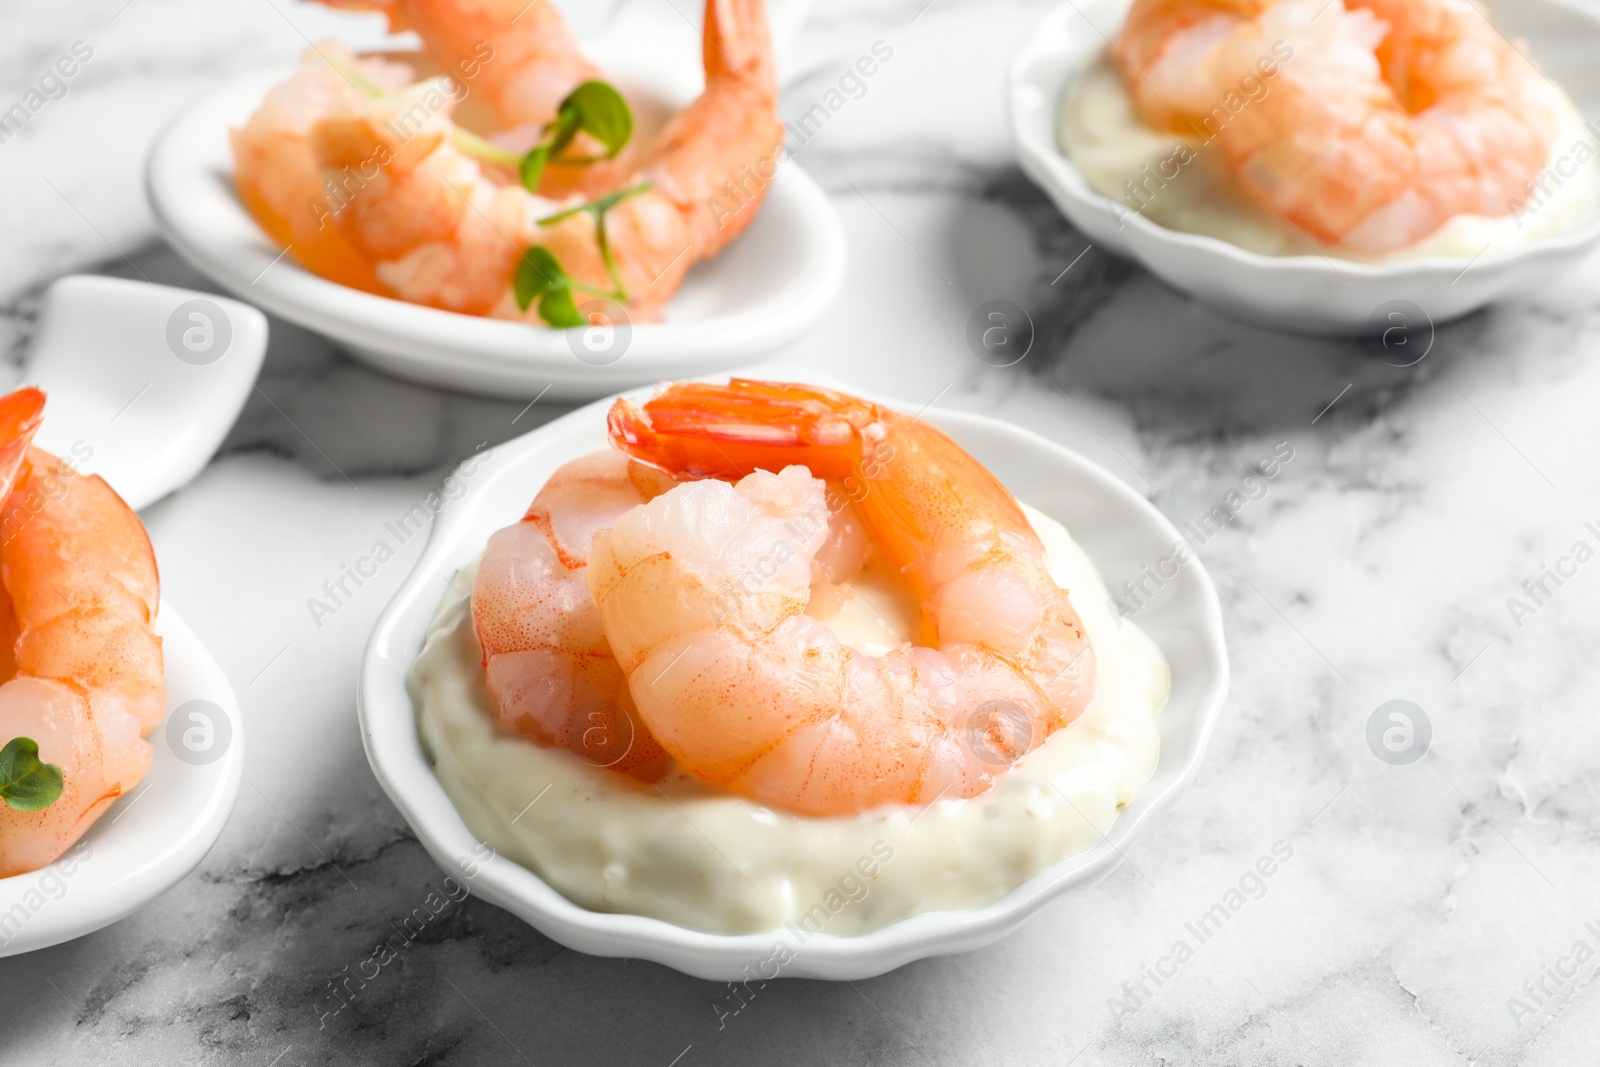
[
  {"x": 629, "y": 582},
  {"x": 82, "y": 681},
  {"x": 365, "y": 175},
  {"x": 1368, "y": 129},
  {"x": 765, "y": 700}
]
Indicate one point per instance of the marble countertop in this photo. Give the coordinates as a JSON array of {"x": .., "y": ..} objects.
[{"x": 1441, "y": 912}]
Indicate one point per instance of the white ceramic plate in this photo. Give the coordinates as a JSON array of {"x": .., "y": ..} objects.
[
  {"x": 154, "y": 836},
  {"x": 1120, "y": 530},
  {"x": 1302, "y": 293},
  {"x": 763, "y": 292}
]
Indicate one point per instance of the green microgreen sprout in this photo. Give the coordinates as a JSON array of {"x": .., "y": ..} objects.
[
  {"x": 541, "y": 277},
  {"x": 594, "y": 108},
  {"x": 356, "y": 78},
  {"x": 25, "y": 783}
]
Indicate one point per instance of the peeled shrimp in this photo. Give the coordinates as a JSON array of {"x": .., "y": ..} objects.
[
  {"x": 522, "y": 60},
  {"x": 439, "y": 229},
  {"x": 278, "y": 179},
  {"x": 548, "y": 666},
  {"x": 1385, "y": 119},
  {"x": 81, "y": 665},
  {"x": 520, "y": 57},
  {"x": 764, "y": 700},
  {"x": 547, "y": 662}
]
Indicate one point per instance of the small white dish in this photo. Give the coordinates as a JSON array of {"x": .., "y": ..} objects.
[
  {"x": 145, "y": 379},
  {"x": 1309, "y": 293},
  {"x": 1120, "y": 530},
  {"x": 763, "y": 292},
  {"x": 155, "y": 835},
  {"x": 143, "y": 382}
]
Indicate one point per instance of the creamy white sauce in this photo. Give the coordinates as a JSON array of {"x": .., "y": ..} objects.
[
  {"x": 1100, "y": 130},
  {"x": 702, "y": 858}
]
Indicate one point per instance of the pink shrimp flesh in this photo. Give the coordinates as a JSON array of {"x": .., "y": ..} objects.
[
  {"x": 439, "y": 229},
  {"x": 1379, "y": 120},
  {"x": 82, "y": 668},
  {"x": 760, "y": 698}
]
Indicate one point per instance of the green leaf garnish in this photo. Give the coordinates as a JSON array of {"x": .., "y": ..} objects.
[
  {"x": 541, "y": 277},
  {"x": 559, "y": 309},
  {"x": 603, "y": 114},
  {"x": 531, "y": 169},
  {"x": 538, "y": 273},
  {"x": 478, "y": 147},
  {"x": 598, "y": 209},
  {"x": 531, "y": 166},
  {"x": 594, "y": 108},
  {"x": 25, "y": 783}
]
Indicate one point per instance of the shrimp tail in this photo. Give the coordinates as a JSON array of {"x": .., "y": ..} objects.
[
  {"x": 698, "y": 430},
  {"x": 20, "y": 415},
  {"x": 737, "y": 43},
  {"x": 716, "y": 158},
  {"x": 889, "y": 464}
]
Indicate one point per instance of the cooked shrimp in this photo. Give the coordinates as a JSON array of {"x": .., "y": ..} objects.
[
  {"x": 279, "y": 181},
  {"x": 548, "y": 666},
  {"x": 523, "y": 60},
  {"x": 432, "y": 226},
  {"x": 1166, "y": 50},
  {"x": 81, "y": 665},
  {"x": 440, "y": 230},
  {"x": 1391, "y": 118},
  {"x": 521, "y": 56},
  {"x": 546, "y": 660},
  {"x": 765, "y": 700}
]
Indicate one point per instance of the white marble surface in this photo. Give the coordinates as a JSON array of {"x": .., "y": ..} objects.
[{"x": 1417, "y": 900}]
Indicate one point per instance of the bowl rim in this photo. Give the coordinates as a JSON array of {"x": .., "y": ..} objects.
[
  {"x": 394, "y": 749},
  {"x": 1041, "y": 66},
  {"x": 198, "y": 212}
]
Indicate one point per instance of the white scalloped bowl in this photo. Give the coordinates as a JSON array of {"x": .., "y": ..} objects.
[
  {"x": 1305, "y": 294},
  {"x": 1119, "y": 529}
]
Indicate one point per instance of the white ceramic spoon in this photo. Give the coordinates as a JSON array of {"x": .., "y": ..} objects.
[
  {"x": 761, "y": 293},
  {"x": 146, "y": 416},
  {"x": 145, "y": 379}
]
